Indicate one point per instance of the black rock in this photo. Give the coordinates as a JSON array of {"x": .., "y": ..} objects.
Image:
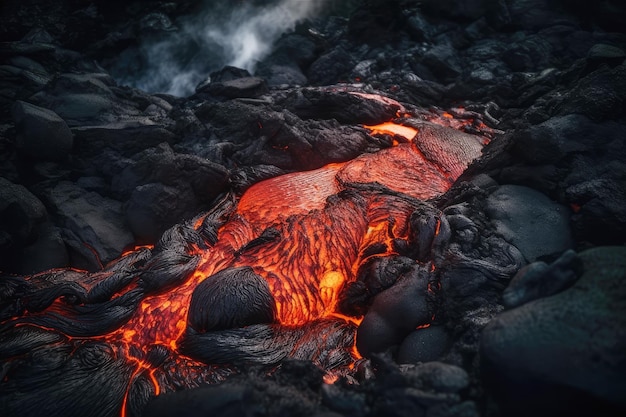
[
  {"x": 41, "y": 133},
  {"x": 565, "y": 354},
  {"x": 155, "y": 207},
  {"x": 47, "y": 252},
  {"x": 92, "y": 225},
  {"x": 424, "y": 345},
  {"x": 21, "y": 211},
  {"x": 247, "y": 87},
  {"x": 538, "y": 279},
  {"x": 530, "y": 221},
  {"x": 227, "y": 401},
  {"x": 395, "y": 312},
  {"x": 438, "y": 377}
]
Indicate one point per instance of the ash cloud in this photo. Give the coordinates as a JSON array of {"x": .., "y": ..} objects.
[{"x": 177, "y": 56}]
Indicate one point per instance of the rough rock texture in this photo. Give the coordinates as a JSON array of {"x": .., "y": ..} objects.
[
  {"x": 542, "y": 81},
  {"x": 92, "y": 226}
]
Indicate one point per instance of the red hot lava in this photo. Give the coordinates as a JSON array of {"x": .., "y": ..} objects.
[{"x": 297, "y": 240}]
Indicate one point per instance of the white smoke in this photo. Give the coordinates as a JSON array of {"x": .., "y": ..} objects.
[{"x": 239, "y": 36}]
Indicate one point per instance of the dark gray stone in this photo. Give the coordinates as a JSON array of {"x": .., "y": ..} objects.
[
  {"x": 331, "y": 68},
  {"x": 247, "y": 87},
  {"x": 93, "y": 140},
  {"x": 20, "y": 212},
  {"x": 538, "y": 280},
  {"x": 424, "y": 345},
  {"x": 161, "y": 165},
  {"x": 345, "y": 107},
  {"x": 41, "y": 133},
  {"x": 153, "y": 208},
  {"x": 602, "y": 51},
  {"x": 47, "y": 252},
  {"x": 94, "y": 223},
  {"x": 444, "y": 62},
  {"x": 438, "y": 377},
  {"x": 395, "y": 312},
  {"x": 530, "y": 221},
  {"x": 565, "y": 354},
  {"x": 225, "y": 400}
]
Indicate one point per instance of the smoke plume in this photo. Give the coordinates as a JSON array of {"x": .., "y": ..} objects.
[{"x": 237, "y": 33}]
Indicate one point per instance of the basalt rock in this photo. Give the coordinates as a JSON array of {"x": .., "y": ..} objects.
[
  {"x": 42, "y": 134},
  {"x": 249, "y": 190},
  {"x": 530, "y": 221},
  {"x": 564, "y": 353},
  {"x": 93, "y": 226}
]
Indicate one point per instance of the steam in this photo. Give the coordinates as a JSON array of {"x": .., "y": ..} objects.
[{"x": 240, "y": 34}]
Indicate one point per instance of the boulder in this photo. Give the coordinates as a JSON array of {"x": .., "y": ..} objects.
[
  {"x": 424, "y": 345},
  {"x": 153, "y": 208},
  {"x": 47, "y": 252},
  {"x": 564, "y": 354},
  {"x": 530, "y": 221},
  {"x": 247, "y": 87},
  {"x": 538, "y": 279},
  {"x": 92, "y": 225},
  {"x": 20, "y": 212},
  {"x": 41, "y": 133},
  {"x": 438, "y": 376},
  {"x": 394, "y": 313},
  {"x": 444, "y": 62}
]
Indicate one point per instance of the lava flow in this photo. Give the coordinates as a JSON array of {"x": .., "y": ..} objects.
[{"x": 256, "y": 280}]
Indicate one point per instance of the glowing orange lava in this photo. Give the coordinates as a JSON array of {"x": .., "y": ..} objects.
[
  {"x": 393, "y": 129},
  {"x": 305, "y": 233}
]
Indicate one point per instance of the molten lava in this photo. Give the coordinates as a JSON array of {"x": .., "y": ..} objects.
[
  {"x": 391, "y": 128},
  {"x": 305, "y": 234}
]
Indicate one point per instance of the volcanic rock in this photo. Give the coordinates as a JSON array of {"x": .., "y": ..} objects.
[
  {"x": 41, "y": 133},
  {"x": 345, "y": 107},
  {"x": 161, "y": 165},
  {"x": 539, "y": 280},
  {"x": 437, "y": 376},
  {"x": 529, "y": 220},
  {"x": 227, "y": 401},
  {"x": 21, "y": 219},
  {"x": 331, "y": 67},
  {"x": 424, "y": 345},
  {"x": 394, "y": 313},
  {"x": 47, "y": 252},
  {"x": 443, "y": 61},
  {"x": 249, "y": 87},
  {"x": 92, "y": 225},
  {"x": 154, "y": 207},
  {"x": 564, "y": 354},
  {"x": 92, "y": 140}
]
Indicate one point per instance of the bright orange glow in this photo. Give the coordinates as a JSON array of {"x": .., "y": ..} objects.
[
  {"x": 135, "y": 249},
  {"x": 391, "y": 128},
  {"x": 323, "y": 228},
  {"x": 330, "y": 379}
]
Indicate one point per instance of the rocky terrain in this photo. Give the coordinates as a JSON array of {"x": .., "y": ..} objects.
[{"x": 526, "y": 247}]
